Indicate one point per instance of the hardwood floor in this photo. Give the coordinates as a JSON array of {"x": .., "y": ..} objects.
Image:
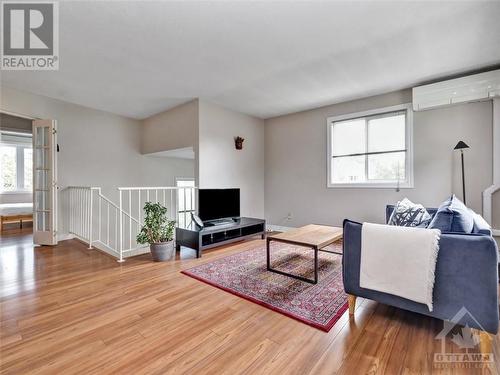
[{"x": 68, "y": 310}]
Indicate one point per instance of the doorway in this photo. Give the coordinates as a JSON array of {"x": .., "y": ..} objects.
[
  {"x": 16, "y": 174},
  {"x": 28, "y": 188},
  {"x": 185, "y": 200}
]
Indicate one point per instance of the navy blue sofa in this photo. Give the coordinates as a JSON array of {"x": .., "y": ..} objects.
[{"x": 466, "y": 276}]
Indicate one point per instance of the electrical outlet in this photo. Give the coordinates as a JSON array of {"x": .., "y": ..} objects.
[{"x": 289, "y": 216}]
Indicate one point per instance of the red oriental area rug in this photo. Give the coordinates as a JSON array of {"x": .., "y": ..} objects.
[{"x": 245, "y": 275}]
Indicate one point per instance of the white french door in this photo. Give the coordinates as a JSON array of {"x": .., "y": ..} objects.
[{"x": 44, "y": 182}]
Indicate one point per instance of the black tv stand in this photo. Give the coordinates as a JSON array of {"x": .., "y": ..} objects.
[
  {"x": 199, "y": 239},
  {"x": 214, "y": 223}
]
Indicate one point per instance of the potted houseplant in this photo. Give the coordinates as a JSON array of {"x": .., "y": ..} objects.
[{"x": 158, "y": 232}]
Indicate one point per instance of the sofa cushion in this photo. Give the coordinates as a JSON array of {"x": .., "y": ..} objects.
[
  {"x": 409, "y": 214},
  {"x": 453, "y": 216}
]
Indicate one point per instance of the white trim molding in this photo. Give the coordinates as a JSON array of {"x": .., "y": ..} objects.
[
  {"x": 488, "y": 192},
  {"x": 408, "y": 182}
]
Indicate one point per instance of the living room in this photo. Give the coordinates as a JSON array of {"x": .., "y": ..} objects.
[{"x": 262, "y": 161}]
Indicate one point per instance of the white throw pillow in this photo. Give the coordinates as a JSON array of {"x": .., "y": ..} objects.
[{"x": 409, "y": 214}]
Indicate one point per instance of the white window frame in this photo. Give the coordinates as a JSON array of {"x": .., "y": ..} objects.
[
  {"x": 403, "y": 184},
  {"x": 20, "y": 147}
]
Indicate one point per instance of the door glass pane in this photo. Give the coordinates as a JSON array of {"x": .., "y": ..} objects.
[
  {"x": 42, "y": 200},
  {"x": 348, "y": 137},
  {"x": 28, "y": 168},
  {"x": 41, "y": 180},
  {"x": 386, "y": 133},
  {"x": 8, "y": 166},
  {"x": 348, "y": 169},
  {"x": 43, "y": 221},
  {"x": 387, "y": 166},
  {"x": 42, "y": 158},
  {"x": 42, "y": 136}
]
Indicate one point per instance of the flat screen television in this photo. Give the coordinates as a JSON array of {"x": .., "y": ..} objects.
[{"x": 218, "y": 203}]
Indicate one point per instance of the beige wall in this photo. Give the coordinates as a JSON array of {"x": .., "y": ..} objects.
[
  {"x": 496, "y": 209},
  {"x": 222, "y": 166},
  {"x": 295, "y": 173},
  {"x": 172, "y": 129},
  {"x": 102, "y": 149},
  {"x": 97, "y": 148}
]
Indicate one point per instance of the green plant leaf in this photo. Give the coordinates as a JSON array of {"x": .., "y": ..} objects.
[{"x": 157, "y": 227}]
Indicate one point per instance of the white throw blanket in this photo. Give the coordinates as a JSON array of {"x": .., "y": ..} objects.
[{"x": 399, "y": 261}]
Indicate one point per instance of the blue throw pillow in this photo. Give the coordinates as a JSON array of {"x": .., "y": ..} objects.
[
  {"x": 453, "y": 216},
  {"x": 479, "y": 223}
]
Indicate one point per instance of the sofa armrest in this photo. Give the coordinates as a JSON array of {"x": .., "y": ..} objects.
[
  {"x": 466, "y": 276},
  {"x": 485, "y": 231}
]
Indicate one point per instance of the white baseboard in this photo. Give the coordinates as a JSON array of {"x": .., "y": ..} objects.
[
  {"x": 64, "y": 237},
  {"x": 103, "y": 247},
  {"x": 277, "y": 228},
  {"x": 139, "y": 251}
]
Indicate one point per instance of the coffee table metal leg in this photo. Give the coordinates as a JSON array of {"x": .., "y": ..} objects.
[
  {"x": 316, "y": 265},
  {"x": 269, "y": 268},
  {"x": 268, "y": 254}
]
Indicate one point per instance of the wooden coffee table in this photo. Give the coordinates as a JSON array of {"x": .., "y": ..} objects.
[{"x": 313, "y": 236}]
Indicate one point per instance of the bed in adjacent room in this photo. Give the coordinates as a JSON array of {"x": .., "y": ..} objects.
[{"x": 15, "y": 213}]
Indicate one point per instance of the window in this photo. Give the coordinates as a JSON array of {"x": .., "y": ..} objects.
[
  {"x": 185, "y": 201},
  {"x": 16, "y": 167},
  {"x": 371, "y": 149}
]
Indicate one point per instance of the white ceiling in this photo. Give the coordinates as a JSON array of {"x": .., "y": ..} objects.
[{"x": 263, "y": 58}]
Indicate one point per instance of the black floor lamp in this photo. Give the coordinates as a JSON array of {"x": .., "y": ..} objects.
[{"x": 461, "y": 145}]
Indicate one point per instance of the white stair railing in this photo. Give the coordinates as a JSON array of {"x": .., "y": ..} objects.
[
  {"x": 79, "y": 215},
  {"x": 96, "y": 220},
  {"x": 131, "y": 203}
]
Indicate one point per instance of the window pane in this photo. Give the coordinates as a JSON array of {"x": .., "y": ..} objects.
[
  {"x": 8, "y": 168},
  {"x": 348, "y": 169},
  {"x": 28, "y": 168},
  {"x": 389, "y": 167},
  {"x": 386, "y": 133},
  {"x": 348, "y": 137}
]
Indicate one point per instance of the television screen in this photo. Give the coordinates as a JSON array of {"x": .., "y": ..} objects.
[{"x": 218, "y": 203}]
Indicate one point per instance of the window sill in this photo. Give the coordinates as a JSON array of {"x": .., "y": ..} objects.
[
  {"x": 363, "y": 185},
  {"x": 16, "y": 192}
]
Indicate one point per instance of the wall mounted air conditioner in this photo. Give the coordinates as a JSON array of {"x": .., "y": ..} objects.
[{"x": 473, "y": 88}]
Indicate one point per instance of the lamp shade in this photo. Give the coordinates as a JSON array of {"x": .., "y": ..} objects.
[{"x": 460, "y": 145}]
